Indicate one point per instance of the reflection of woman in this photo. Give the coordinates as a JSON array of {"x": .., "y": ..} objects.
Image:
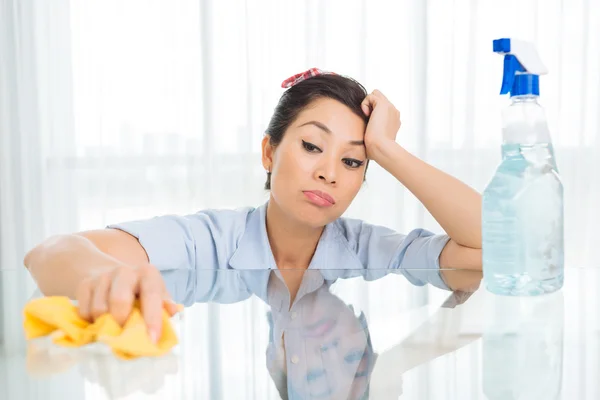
[
  {"x": 315, "y": 152},
  {"x": 329, "y": 346}
]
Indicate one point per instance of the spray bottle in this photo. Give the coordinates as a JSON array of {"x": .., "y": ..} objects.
[{"x": 522, "y": 220}]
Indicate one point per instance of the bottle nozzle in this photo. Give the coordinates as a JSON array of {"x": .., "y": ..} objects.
[
  {"x": 512, "y": 66},
  {"x": 522, "y": 67}
]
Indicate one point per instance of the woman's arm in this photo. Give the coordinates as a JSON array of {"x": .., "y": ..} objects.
[
  {"x": 60, "y": 263},
  {"x": 453, "y": 204},
  {"x": 104, "y": 270}
]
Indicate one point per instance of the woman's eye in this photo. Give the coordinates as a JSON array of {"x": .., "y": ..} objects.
[
  {"x": 352, "y": 163},
  {"x": 311, "y": 148}
]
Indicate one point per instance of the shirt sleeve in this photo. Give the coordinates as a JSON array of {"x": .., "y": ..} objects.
[
  {"x": 415, "y": 255},
  {"x": 192, "y": 253}
]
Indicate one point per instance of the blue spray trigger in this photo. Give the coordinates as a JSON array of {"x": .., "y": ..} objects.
[
  {"x": 502, "y": 45},
  {"x": 511, "y": 67}
]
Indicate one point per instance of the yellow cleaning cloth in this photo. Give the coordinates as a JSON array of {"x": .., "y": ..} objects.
[{"x": 56, "y": 315}]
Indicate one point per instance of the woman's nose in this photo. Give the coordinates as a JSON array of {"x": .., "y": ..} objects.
[
  {"x": 326, "y": 180},
  {"x": 328, "y": 171}
]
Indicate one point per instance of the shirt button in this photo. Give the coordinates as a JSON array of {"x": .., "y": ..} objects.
[
  {"x": 295, "y": 359},
  {"x": 294, "y": 315}
]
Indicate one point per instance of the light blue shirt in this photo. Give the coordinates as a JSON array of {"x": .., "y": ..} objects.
[
  {"x": 319, "y": 348},
  {"x": 189, "y": 250}
]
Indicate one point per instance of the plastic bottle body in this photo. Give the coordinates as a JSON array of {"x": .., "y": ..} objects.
[{"x": 522, "y": 231}]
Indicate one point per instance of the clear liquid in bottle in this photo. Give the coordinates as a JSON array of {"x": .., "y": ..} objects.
[{"x": 522, "y": 232}]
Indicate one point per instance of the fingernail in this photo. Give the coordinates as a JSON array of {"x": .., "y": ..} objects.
[
  {"x": 154, "y": 336},
  {"x": 170, "y": 303}
]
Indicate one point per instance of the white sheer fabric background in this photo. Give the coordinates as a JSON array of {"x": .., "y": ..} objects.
[{"x": 117, "y": 110}]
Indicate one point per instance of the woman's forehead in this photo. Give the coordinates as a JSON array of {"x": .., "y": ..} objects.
[
  {"x": 331, "y": 116},
  {"x": 327, "y": 106}
]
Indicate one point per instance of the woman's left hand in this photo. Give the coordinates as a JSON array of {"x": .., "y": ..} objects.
[{"x": 384, "y": 123}]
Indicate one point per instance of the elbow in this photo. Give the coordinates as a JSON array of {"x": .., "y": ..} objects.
[
  {"x": 37, "y": 253},
  {"x": 461, "y": 267},
  {"x": 461, "y": 280},
  {"x": 472, "y": 258},
  {"x": 469, "y": 282},
  {"x": 28, "y": 256},
  {"x": 459, "y": 257},
  {"x": 32, "y": 255}
]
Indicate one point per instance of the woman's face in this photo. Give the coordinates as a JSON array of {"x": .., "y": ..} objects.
[{"x": 319, "y": 166}]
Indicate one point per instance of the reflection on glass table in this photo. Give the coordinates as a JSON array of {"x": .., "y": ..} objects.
[{"x": 353, "y": 338}]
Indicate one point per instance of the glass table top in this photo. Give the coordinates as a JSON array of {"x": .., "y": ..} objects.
[{"x": 343, "y": 337}]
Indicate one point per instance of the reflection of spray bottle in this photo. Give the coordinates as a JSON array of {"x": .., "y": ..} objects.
[
  {"x": 522, "y": 216},
  {"x": 522, "y": 347}
]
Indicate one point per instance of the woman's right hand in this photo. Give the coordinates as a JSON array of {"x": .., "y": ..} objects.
[{"x": 114, "y": 291}]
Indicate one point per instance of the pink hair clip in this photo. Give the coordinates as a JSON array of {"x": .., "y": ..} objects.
[{"x": 295, "y": 79}]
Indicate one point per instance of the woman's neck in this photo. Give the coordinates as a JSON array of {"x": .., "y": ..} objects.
[{"x": 292, "y": 243}]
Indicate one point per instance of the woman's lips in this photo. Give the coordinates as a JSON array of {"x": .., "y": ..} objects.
[{"x": 319, "y": 198}]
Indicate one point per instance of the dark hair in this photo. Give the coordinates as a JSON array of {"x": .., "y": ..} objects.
[{"x": 345, "y": 90}]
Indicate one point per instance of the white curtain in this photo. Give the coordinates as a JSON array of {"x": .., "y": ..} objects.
[{"x": 117, "y": 110}]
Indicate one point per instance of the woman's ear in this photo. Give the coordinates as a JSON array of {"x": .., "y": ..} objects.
[{"x": 267, "y": 153}]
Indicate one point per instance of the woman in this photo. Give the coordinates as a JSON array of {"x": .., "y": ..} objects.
[{"x": 315, "y": 152}]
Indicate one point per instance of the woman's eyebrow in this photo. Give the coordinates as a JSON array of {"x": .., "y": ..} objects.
[{"x": 325, "y": 129}]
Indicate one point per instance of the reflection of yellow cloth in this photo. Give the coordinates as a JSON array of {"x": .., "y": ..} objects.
[{"x": 57, "y": 315}]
